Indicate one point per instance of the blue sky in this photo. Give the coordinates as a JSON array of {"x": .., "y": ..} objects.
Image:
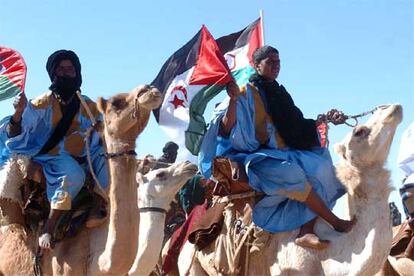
[{"x": 347, "y": 54}]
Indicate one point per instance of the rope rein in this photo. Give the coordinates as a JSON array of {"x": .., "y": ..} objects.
[{"x": 344, "y": 119}]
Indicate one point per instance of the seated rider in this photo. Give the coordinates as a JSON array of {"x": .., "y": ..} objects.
[
  {"x": 260, "y": 127},
  {"x": 51, "y": 129}
]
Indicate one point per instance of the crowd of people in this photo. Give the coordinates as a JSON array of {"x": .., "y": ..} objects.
[{"x": 258, "y": 126}]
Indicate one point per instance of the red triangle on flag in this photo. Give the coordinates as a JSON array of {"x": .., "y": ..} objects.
[{"x": 211, "y": 67}]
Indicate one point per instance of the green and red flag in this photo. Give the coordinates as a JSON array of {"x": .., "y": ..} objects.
[
  {"x": 188, "y": 80},
  {"x": 12, "y": 73},
  {"x": 195, "y": 74}
]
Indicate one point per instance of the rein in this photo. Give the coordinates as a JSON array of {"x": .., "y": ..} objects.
[
  {"x": 345, "y": 118},
  {"x": 363, "y": 114}
]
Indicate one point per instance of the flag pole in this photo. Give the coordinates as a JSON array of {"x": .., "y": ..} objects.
[{"x": 262, "y": 26}]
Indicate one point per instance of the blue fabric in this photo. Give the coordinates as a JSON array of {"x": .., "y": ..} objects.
[
  {"x": 271, "y": 170},
  {"x": 61, "y": 170}
]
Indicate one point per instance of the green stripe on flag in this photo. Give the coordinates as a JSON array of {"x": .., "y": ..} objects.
[
  {"x": 7, "y": 88},
  {"x": 197, "y": 125}
]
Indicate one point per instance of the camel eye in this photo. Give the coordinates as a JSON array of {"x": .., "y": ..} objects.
[
  {"x": 161, "y": 175},
  {"x": 118, "y": 104},
  {"x": 361, "y": 132}
]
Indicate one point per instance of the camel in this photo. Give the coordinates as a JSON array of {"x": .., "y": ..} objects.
[
  {"x": 156, "y": 190},
  {"x": 111, "y": 248},
  {"x": 363, "y": 250}
]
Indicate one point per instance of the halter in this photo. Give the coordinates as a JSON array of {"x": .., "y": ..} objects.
[
  {"x": 152, "y": 209},
  {"x": 109, "y": 155}
]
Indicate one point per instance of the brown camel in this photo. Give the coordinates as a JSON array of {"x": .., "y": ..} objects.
[{"x": 106, "y": 250}]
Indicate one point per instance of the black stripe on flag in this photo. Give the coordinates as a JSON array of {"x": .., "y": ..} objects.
[
  {"x": 178, "y": 63},
  {"x": 236, "y": 40}
]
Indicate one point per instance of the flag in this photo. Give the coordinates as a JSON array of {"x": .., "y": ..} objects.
[
  {"x": 191, "y": 77},
  {"x": 238, "y": 49},
  {"x": 12, "y": 73}
]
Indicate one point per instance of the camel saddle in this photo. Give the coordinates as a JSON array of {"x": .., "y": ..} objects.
[
  {"x": 36, "y": 206},
  {"x": 401, "y": 239},
  {"x": 231, "y": 180}
]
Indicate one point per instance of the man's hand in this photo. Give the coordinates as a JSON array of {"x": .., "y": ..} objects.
[
  {"x": 336, "y": 117},
  {"x": 233, "y": 90},
  {"x": 19, "y": 104}
]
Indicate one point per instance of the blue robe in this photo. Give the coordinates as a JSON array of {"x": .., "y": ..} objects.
[
  {"x": 64, "y": 175},
  {"x": 284, "y": 174}
]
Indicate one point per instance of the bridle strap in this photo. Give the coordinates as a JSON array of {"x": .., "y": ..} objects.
[
  {"x": 152, "y": 209},
  {"x": 110, "y": 155}
]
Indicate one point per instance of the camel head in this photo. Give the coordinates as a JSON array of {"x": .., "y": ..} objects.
[
  {"x": 368, "y": 144},
  {"x": 158, "y": 187},
  {"x": 127, "y": 114}
]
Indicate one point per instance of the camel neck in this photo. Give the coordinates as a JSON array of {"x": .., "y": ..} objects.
[{"x": 121, "y": 245}]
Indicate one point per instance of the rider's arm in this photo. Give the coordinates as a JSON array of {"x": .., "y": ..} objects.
[
  {"x": 14, "y": 127},
  {"x": 229, "y": 119}
]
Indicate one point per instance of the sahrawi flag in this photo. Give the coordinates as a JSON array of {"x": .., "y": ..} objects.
[
  {"x": 188, "y": 80},
  {"x": 12, "y": 73},
  {"x": 238, "y": 49}
]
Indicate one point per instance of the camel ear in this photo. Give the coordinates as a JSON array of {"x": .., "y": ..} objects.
[
  {"x": 340, "y": 150},
  {"x": 101, "y": 105}
]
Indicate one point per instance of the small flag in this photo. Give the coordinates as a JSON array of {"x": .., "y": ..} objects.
[
  {"x": 189, "y": 79},
  {"x": 12, "y": 73}
]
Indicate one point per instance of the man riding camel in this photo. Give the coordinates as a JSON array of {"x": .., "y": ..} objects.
[{"x": 51, "y": 129}]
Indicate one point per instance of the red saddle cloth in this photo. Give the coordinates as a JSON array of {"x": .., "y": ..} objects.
[{"x": 180, "y": 236}]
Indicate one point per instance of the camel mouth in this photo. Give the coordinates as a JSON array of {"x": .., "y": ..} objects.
[
  {"x": 189, "y": 168},
  {"x": 394, "y": 113}
]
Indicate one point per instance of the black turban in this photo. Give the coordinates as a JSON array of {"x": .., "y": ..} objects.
[
  {"x": 169, "y": 147},
  {"x": 55, "y": 58},
  {"x": 262, "y": 53}
]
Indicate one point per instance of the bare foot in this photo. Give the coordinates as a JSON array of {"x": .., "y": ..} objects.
[
  {"x": 45, "y": 241},
  {"x": 344, "y": 226},
  {"x": 310, "y": 240}
]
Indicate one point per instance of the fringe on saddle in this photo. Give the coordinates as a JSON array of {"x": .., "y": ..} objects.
[{"x": 228, "y": 222}]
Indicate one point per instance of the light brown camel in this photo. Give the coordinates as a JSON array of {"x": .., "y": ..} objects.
[
  {"x": 363, "y": 250},
  {"x": 111, "y": 248}
]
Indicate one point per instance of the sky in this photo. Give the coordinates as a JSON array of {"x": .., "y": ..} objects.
[{"x": 352, "y": 55}]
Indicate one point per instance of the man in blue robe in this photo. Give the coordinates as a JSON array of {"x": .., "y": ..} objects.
[
  {"x": 51, "y": 130},
  {"x": 260, "y": 127}
]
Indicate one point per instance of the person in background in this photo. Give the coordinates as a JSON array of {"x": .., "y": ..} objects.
[{"x": 169, "y": 155}]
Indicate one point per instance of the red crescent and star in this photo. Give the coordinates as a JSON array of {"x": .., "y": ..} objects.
[{"x": 176, "y": 101}]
